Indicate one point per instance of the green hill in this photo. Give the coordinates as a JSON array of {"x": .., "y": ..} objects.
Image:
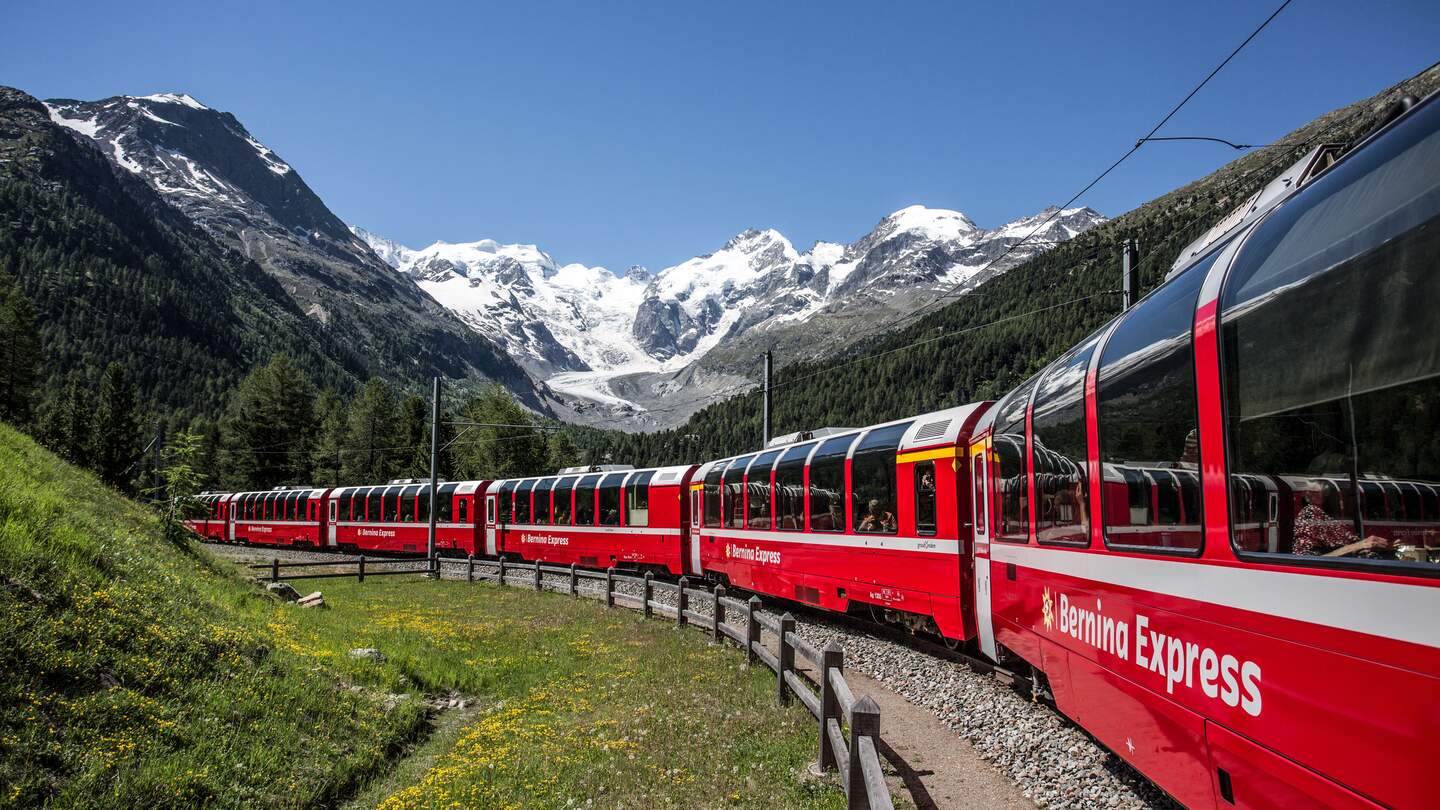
[
  {"x": 990, "y": 340},
  {"x": 140, "y": 673}
]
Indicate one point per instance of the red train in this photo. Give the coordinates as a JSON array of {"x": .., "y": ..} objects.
[{"x": 1211, "y": 530}]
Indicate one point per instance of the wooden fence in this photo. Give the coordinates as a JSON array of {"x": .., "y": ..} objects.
[{"x": 832, "y": 702}]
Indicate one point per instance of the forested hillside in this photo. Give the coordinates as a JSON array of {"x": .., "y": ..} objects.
[{"x": 991, "y": 339}]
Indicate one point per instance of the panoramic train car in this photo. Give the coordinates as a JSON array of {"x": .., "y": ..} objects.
[
  {"x": 395, "y": 517},
  {"x": 1212, "y": 527},
  {"x": 212, "y": 520},
  {"x": 620, "y": 517},
  {"x": 878, "y": 516},
  {"x": 285, "y": 516}
]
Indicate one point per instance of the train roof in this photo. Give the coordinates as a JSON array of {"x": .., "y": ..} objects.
[
  {"x": 662, "y": 475},
  {"x": 934, "y": 429}
]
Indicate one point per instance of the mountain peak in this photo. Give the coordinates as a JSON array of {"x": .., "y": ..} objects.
[
  {"x": 172, "y": 98},
  {"x": 931, "y": 223}
]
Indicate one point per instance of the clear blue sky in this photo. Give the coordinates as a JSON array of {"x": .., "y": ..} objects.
[{"x": 645, "y": 133}]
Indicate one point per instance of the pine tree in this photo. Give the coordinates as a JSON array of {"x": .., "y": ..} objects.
[
  {"x": 499, "y": 452},
  {"x": 561, "y": 451},
  {"x": 269, "y": 427},
  {"x": 19, "y": 352},
  {"x": 415, "y": 434},
  {"x": 333, "y": 431},
  {"x": 374, "y": 422},
  {"x": 115, "y": 440}
]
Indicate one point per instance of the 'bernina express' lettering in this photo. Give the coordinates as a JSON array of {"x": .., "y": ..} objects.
[
  {"x": 544, "y": 539},
  {"x": 1234, "y": 681}
]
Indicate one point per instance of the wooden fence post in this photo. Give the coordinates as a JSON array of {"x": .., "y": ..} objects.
[
  {"x": 831, "y": 658},
  {"x": 864, "y": 722},
  {"x": 360, "y": 572},
  {"x": 646, "y": 589},
  {"x": 537, "y": 575},
  {"x": 469, "y": 567},
  {"x": 274, "y": 569},
  {"x": 435, "y": 567},
  {"x": 501, "y": 580},
  {"x": 682, "y": 604},
  {"x": 719, "y": 613},
  {"x": 574, "y": 584},
  {"x": 752, "y": 630},
  {"x": 787, "y": 658},
  {"x": 610, "y": 587}
]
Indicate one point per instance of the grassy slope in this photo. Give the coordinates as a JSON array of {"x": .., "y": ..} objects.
[{"x": 137, "y": 673}]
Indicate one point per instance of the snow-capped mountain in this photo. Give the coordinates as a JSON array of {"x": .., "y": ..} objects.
[
  {"x": 628, "y": 343},
  {"x": 241, "y": 193}
]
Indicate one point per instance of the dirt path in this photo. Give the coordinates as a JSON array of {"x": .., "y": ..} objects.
[{"x": 925, "y": 761}]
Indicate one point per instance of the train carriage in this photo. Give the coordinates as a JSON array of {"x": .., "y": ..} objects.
[
  {"x": 608, "y": 517},
  {"x": 284, "y": 516},
  {"x": 395, "y": 517},
  {"x": 877, "y": 517},
  {"x": 1245, "y": 606}
]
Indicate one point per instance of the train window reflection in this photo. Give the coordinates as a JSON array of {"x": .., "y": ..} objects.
[
  {"x": 585, "y": 500},
  {"x": 637, "y": 499},
  {"x": 1331, "y": 364},
  {"x": 1149, "y": 425},
  {"x": 610, "y": 499},
  {"x": 872, "y": 475},
  {"x": 1012, "y": 485},
  {"x": 790, "y": 489},
  {"x": 542, "y": 501},
  {"x": 827, "y": 484},
  {"x": 757, "y": 490},
  {"x": 1060, "y": 449},
  {"x": 712, "y": 494},
  {"x": 734, "y": 489}
]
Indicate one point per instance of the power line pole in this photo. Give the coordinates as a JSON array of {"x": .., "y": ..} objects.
[
  {"x": 1130, "y": 272},
  {"x": 434, "y": 572},
  {"x": 765, "y": 440}
]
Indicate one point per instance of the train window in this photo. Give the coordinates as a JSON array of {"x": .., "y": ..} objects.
[
  {"x": 542, "y": 500},
  {"x": 372, "y": 504},
  {"x": 637, "y": 499},
  {"x": 444, "y": 498},
  {"x": 873, "y": 496},
  {"x": 1012, "y": 485},
  {"x": 296, "y": 507},
  {"x": 609, "y": 508},
  {"x": 390, "y": 505},
  {"x": 924, "y": 483},
  {"x": 585, "y": 500},
  {"x": 564, "y": 489},
  {"x": 1149, "y": 428},
  {"x": 1331, "y": 367},
  {"x": 977, "y": 504},
  {"x": 790, "y": 489},
  {"x": 827, "y": 484},
  {"x": 507, "y": 500},
  {"x": 464, "y": 509},
  {"x": 757, "y": 490},
  {"x": 734, "y": 504},
  {"x": 407, "y": 504},
  {"x": 1060, "y": 450},
  {"x": 712, "y": 494},
  {"x": 522, "y": 501}
]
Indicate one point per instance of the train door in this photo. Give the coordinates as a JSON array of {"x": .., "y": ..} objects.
[
  {"x": 334, "y": 518},
  {"x": 491, "y": 547},
  {"x": 694, "y": 532},
  {"x": 230, "y": 518},
  {"x": 980, "y": 475}
]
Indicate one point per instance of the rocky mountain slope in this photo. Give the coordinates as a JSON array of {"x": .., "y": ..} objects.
[
  {"x": 625, "y": 348},
  {"x": 205, "y": 164}
]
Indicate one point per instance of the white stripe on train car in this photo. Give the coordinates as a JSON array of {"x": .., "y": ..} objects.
[
  {"x": 1385, "y": 609},
  {"x": 872, "y": 542}
]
